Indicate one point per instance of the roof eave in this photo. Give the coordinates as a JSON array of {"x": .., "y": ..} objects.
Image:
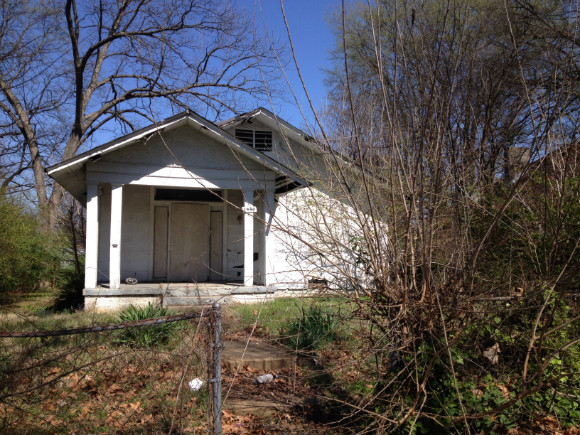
[{"x": 78, "y": 163}]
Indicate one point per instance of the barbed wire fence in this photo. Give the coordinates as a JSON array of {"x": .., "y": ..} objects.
[{"x": 213, "y": 345}]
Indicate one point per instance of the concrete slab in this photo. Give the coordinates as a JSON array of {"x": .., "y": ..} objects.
[
  {"x": 256, "y": 407},
  {"x": 179, "y": 289},
  {"x": 259, "y": 356},
  {"x": 179, "y": 295}
]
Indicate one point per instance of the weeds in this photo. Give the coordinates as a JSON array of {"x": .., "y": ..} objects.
[
  {"x": 311, "y": 330},
  {"x": 152, "y": 336},
  {"x": 274, "y": 316}
]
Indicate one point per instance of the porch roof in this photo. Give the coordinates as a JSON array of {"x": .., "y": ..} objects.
[{"x": 71, "y": 173}]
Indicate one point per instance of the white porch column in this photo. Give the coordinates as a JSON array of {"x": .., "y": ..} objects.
[
  {"x": 92, "y": 236},
  {"x": 249, "y": 210},
  {"x": 268, "y": 206},
  {"x": 115, "y": 247}
]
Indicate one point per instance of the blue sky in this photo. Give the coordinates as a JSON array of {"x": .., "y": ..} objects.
[{"x": 312, "y": 38}]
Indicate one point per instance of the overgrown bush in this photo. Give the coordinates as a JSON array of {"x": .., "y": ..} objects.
[
  {"x": 28, "y": 256},
  {"x": 313, "y": 328},
  {"x": 70, "y": 284},
  {"x": 145, "y": 336},
  {"x": 535, "y": 237}
]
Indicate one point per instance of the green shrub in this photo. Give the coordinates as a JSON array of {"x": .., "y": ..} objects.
[
  {"x": 145, "y": 336},
  {"x": 485, "y": 387},
  {"x": 27, "y": 254},
  {"x": 313, "y": 328},
  {"x": 71, "y": 284}
]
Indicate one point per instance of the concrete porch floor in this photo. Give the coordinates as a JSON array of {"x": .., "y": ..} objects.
[{"x": 174, "y": 295}]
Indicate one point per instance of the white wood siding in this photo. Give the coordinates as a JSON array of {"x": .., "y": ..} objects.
[
  {"x": 104, "y": 231},
  {"x": 135, "y": 230},
  {"x": 314, "y": 236},
  {"x": 135, "y": 241},
  {"x": 181, "y": 158}
]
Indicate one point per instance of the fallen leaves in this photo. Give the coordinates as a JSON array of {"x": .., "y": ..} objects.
[
  {"x": 140, "y": 391},
  {"x": 548, "y": 425},
  {"x": 144, "y": 392}
]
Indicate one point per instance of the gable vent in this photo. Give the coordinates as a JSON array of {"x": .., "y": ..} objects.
[{"x": 260, "y": 140}]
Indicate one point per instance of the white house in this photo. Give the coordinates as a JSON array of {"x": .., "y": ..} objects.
[{"x": 186, "y": 210}]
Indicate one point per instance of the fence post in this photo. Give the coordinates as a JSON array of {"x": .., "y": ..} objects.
[{"x": 217, "y": 369}]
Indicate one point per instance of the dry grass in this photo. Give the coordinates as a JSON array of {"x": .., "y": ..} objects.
[{"x": 88, "y": 384}]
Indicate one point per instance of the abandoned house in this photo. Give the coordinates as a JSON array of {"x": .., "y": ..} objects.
[{"x": 185, "y": 210}]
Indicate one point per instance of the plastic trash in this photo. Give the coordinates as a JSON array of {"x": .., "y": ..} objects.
[
  {"x": 196, "y": 384},
  {"x": 264, "y": 379},
  {"x": 131, "y": 281}
]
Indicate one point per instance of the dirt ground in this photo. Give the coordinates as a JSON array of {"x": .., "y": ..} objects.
[
  {"x": 278, "y": 407},
  {"x": 287, "y": 405}
]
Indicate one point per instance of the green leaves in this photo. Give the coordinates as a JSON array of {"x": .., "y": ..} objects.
[
  {"x": 311, "y": 330},
  {"x": 27, "y": 255},
  {"x": 149, "y": 336}
]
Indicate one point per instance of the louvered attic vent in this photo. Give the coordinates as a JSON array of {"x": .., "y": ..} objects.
[{"x": 258, "y": 139}]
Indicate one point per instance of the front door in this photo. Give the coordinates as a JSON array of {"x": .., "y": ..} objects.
[
  {"x": 189, "y": 243},
  {"x": 187, "y": 248}
]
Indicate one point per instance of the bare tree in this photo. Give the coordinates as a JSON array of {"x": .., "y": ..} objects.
[
  {"x": 69, "y": 70},
  {"x": 462, "y": 120}
]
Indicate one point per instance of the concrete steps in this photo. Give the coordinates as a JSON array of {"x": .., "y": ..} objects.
[
  {"x": 258, "y": 356},
  {"x": 263, "y": 408},
  {"x": 180, "y": 295},
  {"x": 262, "y": 358}
]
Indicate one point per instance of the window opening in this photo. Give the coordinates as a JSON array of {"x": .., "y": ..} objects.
[{"x": 258, "y": 139}]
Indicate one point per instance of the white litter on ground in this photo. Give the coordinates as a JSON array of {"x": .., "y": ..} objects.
[{"x": 196, "y": 384}]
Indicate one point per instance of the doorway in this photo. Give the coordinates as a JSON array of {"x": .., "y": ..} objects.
[{"x": 182, "y": 242}]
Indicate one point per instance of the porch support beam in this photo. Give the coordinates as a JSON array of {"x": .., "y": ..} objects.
[
  {"x": 268, "y": 206},
  {"x": 249, "y": 210},
  {"x": 92, "y": 236},
  {"x": 115, "y": 246}
]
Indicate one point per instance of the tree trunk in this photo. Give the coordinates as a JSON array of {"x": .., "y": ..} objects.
[{"x": 50, "y": 218}]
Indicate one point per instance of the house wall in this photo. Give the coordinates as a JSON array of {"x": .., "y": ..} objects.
[
  {"x": 135, "y": 238},
  {"x": 104, "y": 231},
  {"x": 312, "y": 234},
  {"x": 315, "y": 236},
  {"x": 259, "y": 239},
  {"x": 183, "y": 157},
  {"x": 157, "y": 162},
  {"x": 305, "y": 161},
  {"x": 314, "y": 231},
  {"x": 235, "y": 236}
]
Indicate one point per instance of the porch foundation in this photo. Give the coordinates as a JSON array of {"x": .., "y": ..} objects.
[{"x": 183, "y": 295}]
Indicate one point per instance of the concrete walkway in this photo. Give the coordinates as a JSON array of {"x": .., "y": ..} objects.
[{"x": 258, "y": 356}]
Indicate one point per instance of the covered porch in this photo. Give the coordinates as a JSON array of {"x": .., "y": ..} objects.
[{"x": 154, "y": 234}]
